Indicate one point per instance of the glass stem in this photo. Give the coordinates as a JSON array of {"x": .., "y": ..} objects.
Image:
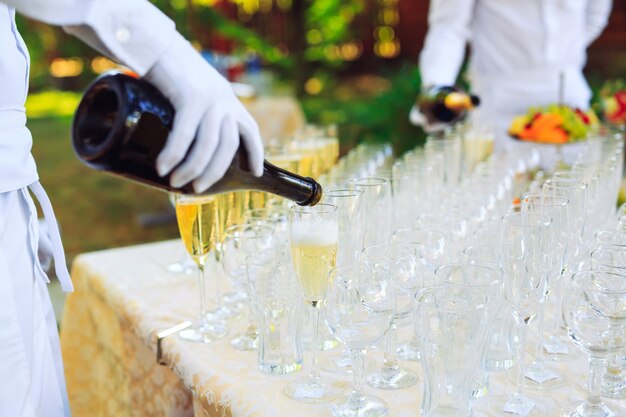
[
  {"x": 358, "y": 365},
  {"x": 391, "y": 359},
  {"x": 557, "y": 289},
  {"x": 216, "y": 278},
  {"x": 202, "y": 292},
  {"x": 520, "y": 358},
  {"x": 251, "y": 329},
  {"x": 540, "y": 326},
  {"x": 596, "y": 367},
  {"x": 315, "y": 372}
]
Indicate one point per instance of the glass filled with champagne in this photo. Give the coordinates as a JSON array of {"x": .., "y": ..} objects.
[
  {"x": 199, "y": 225},
  {"x": 314, "y": 237}
]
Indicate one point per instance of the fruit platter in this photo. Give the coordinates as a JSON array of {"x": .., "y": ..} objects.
[
  {"x": 613, "y": 102},
  {"x": 554, "y": 125}
]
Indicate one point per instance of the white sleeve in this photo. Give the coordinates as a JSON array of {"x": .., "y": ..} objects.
[
  {"x": 132, "y": 32},
  {"x": 597, "y": 17},
  {"x": 444, "y": 46}
]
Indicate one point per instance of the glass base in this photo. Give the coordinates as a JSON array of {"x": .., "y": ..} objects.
[
  {"x": 408, "y": 351},
  {"x": 223, "y": 314},
  {"x": 587, "y": 410},
  {"x": 341, "y": 364},
  {"x": 204, "y": 333},
  {"x": 541, "y": 377},
  {"x": 313, "y": 390},
  {"x": 246, "y": 341},
  {"x": 392, "y": 378},
  {"x": 361, "y": 406}
]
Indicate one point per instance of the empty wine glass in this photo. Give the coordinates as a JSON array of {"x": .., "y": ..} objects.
[
  {"x": 556, "y": 208},
  {"x": 359, "y": 309},
  {"x": 350, "y": 244},
  {"x": 430, "y": 250},
  {"x": 377, "y": 200},
  {"x": 400, "y": 262},
  {"x": 487, "y": 280},
  {"x": 240, "y": 242},
  {"x": 524, "y": 286},
  {"x": 594, "y": 310},
  {"x": 499, "y": 354}
]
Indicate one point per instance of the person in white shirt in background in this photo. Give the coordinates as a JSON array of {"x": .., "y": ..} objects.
[
  {"x": 138, "y": 35},
  {"x": 519, "y": 49}
]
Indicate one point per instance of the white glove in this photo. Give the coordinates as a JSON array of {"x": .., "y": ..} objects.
[{"x": 207, "y": 110}]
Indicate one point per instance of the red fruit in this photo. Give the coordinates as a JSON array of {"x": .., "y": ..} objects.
[{"x": 583, "y": 116}]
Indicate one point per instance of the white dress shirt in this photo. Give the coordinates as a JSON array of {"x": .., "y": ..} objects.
[{"x": 518, "y": 50}]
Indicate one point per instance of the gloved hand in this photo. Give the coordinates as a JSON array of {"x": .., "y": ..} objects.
[
  {"x": 417, "y": 118},
  {"x": 207, "y": 110}
]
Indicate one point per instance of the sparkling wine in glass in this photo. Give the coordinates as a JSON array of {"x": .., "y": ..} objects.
[
  {"x": 198, "y": 223},
  {"x": 314, "y": 235}
]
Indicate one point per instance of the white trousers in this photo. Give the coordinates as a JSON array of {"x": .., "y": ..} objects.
[{"x": 31, "y": 369}]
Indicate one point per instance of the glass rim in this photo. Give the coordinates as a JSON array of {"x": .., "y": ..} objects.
[
  {"x": 342, "y": 192},
  {"x": 517, "y": 215},
  {"x": 380, "y": 181},
  {"x": 550, "y": 183},
  {"x": 595, "y": 253},
  {"x": 580, "y": 275},
  {"x": 319, "y": 208}
]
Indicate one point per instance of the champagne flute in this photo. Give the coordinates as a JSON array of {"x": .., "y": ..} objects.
[
  {"x": 181, "y": 266},
  {"x": 198, "y": 223},
  {"x": 314, "y": 234},
  {"x": 402, "y": 265},
  {"x": 350, "y": 221},
  {"x": 228, "y": 212},
  {"x": 557, "y": 208},
  {"x": 359, "y": 309},
  {"x": 240, "y": 242},
  {"x": 524, "y": 287}
]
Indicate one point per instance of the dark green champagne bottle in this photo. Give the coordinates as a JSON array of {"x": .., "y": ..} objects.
[{"x": 121, "y": 126}]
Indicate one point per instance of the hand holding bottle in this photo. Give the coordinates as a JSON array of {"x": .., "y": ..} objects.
[
  {"x": 441, "y": 106},
  {"x": 208, "y": 111}
]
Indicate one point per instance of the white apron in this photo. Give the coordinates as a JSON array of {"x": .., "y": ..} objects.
[
  {"x": 504, "y": 96},
  {"x": 31, "y": 370}
]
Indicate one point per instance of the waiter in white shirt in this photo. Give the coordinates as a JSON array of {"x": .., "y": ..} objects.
[
  {"x": 519, "y": 49},
  {"x": 134, "y": 33}
]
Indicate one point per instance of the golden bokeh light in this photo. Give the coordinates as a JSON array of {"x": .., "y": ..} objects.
[
  {"x": 313, "y": 86},
  {"x": 62, "y": 67}
]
